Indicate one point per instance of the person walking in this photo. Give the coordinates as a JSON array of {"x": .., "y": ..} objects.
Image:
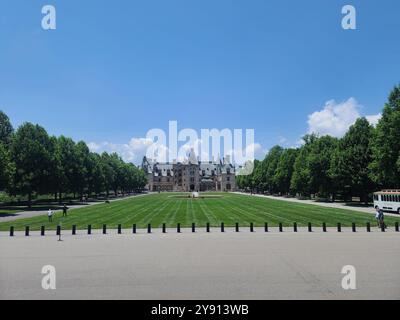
[
  {"x": 382, "y": 219},
  {"x": 65, "y": 210},
  {"x": 50, "y": 215}
]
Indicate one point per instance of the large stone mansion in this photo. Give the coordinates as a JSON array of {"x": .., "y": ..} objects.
[{"x": 190, "y": 175}]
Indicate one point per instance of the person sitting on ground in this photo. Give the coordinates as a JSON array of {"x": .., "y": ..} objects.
[
  {"x": 65, "y": 209},
  {"x": 50, "y": 215}
]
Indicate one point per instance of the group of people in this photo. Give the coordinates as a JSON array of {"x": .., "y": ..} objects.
[
  {"x": 380, "y": 218},
  {"x": 50, "y": 212}
]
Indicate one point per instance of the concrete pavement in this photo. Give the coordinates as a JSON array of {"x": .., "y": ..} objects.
[{"x": 202, "y": 265}]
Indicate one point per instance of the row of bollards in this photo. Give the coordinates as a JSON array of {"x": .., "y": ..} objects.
[{"x": 193, "y": 228}]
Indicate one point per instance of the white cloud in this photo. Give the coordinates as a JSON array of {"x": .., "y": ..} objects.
[
  {"x": 283, "y": 141},
  {"x": 335, "y": 118},
  {"x": 136, "y": 149},
  {"x": 133, "y": 151},
  {"x": 374, "y": 119}
]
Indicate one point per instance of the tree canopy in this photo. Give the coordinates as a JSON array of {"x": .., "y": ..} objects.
[
  {"x": 363, "y": 160},
  {"x": 34, "y": 163}
]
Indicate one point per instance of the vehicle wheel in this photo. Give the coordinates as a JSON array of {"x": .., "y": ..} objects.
[{"x": 398, "y": 210}]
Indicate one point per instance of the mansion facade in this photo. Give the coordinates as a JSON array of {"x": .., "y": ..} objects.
[{"x": 191, "y": 175}]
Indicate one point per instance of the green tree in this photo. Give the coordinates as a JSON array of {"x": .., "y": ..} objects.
[
  {"x": 300, "y": 181},
  {"x": 80, "y": 178},
  {"x": 31, "y": 152},
  {"x": 6, "y": 129},
  {"x": 96, "y": 181},
  {"x": 319, "y": 164},
  {"x": 64, "y": 159},
  {"x": 301, "y": 178},
  {"x": 284, "y": 170},
  {"x": 109, "y": 173},
  {"x": 265, "y": 172},
  {"x": 6, "y": 167},
  {"x": 248, "y": 181},
  {"x": 385, "y": 165},
  {"x": 350, "y": 161}
]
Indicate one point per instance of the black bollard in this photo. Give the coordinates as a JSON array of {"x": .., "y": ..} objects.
[
  {"x": 353, "y": 227},
  {"x": 295, "y": 227},
  {"x": 27, "y": 231},
  {"x": 208, "y": 227},
  {"x": 222, "y": 227},
  {"x": 193, "y": 227},
  {"x": 134, "y": 228},
  {"x": 280, "y": 227},
  {"x": 237, "y": 227},
  {"x": 251, "y": 227},
  {"x": 89, "y": 229},
  {"x": 178, "y": 228},
  {"x": 11, "y": 231},
  {"x": 266, "y": 227},
  {"x": 104, "y": 229},
  {"x": 323, "y": 227},
  {"x": 58, "y": 232},
  {"x": 42, "y": 232},
  {"x": 164, "y": 228},
  {"x": 368, "y": 227},
  {"x": 119, "y": 229},
  {"x": 309, "y": 227},
  {"x": 149, "y": 228},
  {"x": 396, "y": 226},
  {"x": 339, "y": 227},
  {"x": 74, "y": 230}
]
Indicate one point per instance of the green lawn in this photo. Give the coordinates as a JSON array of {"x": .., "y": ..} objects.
[
  {"x": 8, "y": 212},
  {"x": 173, "y": 208}
]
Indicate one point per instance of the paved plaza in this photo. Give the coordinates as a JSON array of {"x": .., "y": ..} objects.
[{"x": 202, "y": 265}]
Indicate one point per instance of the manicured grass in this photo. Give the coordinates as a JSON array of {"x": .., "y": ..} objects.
[{"x": 228, "y": 208}]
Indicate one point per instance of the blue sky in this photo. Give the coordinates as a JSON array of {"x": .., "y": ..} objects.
[{"x": 115, "y": 69}]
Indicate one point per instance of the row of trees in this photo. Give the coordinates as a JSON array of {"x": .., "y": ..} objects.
[
  {"x": 33, "y": 163},
  {"x": 367, "y": 158}
]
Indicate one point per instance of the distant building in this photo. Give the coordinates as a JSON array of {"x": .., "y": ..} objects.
[{"x": 190, "y": 175}]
